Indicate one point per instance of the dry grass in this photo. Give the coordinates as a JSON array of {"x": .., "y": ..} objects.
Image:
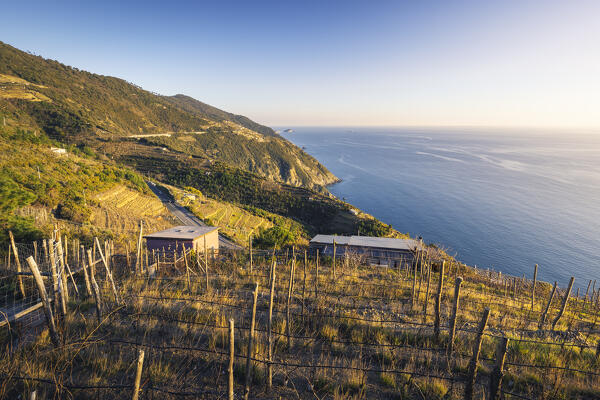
[{"x": 360, "y": 339}]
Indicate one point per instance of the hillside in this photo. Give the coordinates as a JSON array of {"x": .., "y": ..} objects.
[
  {"x": 315, "y": 331},
  {"x": 235, "y": 222},
  {"x": 317, "y": 212},
  {"x": 76, "y": 107},
  {"x": 249, "y": 175},
  {"x": 40, "y": 188},
  {"x": 205, "y": 110}
]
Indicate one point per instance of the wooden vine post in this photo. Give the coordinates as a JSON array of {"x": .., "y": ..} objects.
[
  {"x": 68, "y": 269},
  {"x": 187, "y": 271},
  {"x": 498, "y": 371},
  {"x": 206, "y": 267},
  {"x": 427, "y": 292},
  {"x": 138, "y": 259},
  {"x": 535, "y": 271},
  {"x": 57, "y": 282},
  {"x": 438, "y": 302},
  {"x": 250, "y": 251},
  {"x": 55, "y": 295},
  {"x": 63, "y": 273},
  {"x": 414, "y": 286},
  {"x": 206, "y": 261},
  {"x": 289, "y": 299},
  {"x": 270, "y": 328},
  {"x": 126, "y": 253},
  {"x": 545, "y": 313},
  {"x": 146, "y": 254},
  {"x": 587, "y": 291},
  {"x": 108, "y": 274},
  {"x": 334, "y": 250},
  {"x": 420, "y": 278},
  {"x": 47, "y": 259},
  {"x": 138, "y": 375},
  {"x": 35, "y": 251},
  {"x": 317, "y": 275},
  {"x": 94, "y": 284},
  {"x": 44, "y": 296},
  {"x": 564, "y": 303},
  {"x": 452, "y": 327},
  {"x": 472, "y": 369},
  {"x": 231, "y": 359},
  {"x": 18, "y": 263},
  {"x": 250, "y": 345},
  {"x": 303, "y": 286},
  {"x": 86, "y": 278}
]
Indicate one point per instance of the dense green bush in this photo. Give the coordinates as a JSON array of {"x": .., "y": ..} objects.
[
  {"x": 274, "y": 237},
  {"x": 373, "y": 227},
  {"x": 24, "y": 229},
  {"x": 12, "y": 195},
  {"x": 73, "y": 211}
]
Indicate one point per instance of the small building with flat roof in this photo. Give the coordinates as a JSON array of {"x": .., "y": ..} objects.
[
  {"x": 377, "y": 250},
  {"x": 191, "y": 237}
]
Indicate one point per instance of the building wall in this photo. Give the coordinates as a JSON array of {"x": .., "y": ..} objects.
[
  {"x": 340, "y": 251},
  {"x": 167, "y": 244},
  {"x": 212, "y": 242}
]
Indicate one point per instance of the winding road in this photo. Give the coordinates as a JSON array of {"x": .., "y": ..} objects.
[{"x": 186, "y": 216}]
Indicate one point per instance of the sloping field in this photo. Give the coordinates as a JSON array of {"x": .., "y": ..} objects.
[
  {"x": 233, "y": 221},
  {"x": 120, "y": 209},
  {"x": 12, "y": 87},
  {"x": 436, "y": 330},
  {"x": 117, "y": 210}
]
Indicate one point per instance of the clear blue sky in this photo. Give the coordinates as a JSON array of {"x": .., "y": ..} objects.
[{"x": 478, "y": 62}]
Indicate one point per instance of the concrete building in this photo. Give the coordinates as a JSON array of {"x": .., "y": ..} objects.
[
  {"x": 377, "y": 250},
  {"x": 192, "y": 237}
]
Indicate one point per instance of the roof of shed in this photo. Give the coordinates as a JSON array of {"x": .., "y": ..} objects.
[
  {"x": 182, "y": 232},
  {"x": 369, "y": 241}
]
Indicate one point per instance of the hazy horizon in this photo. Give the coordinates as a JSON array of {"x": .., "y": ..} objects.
[{"x": 428, "y": 64}]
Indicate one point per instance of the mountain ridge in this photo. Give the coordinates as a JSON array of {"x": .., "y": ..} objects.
[{"x": 84, "y": 108}]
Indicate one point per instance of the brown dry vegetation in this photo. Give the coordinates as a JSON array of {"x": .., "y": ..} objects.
[{"x": 355, "y": 335}]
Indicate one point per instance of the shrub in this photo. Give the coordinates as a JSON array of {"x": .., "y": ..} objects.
[
  {"x": 274, "y": 237},
  {"x": 24, "y": 229},
  {"x": 72, "y": 211}
]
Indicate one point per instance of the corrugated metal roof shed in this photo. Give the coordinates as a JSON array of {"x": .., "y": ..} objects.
[
  {"x": 368, "y": 241},
  {"x": 182, "y": 232}
]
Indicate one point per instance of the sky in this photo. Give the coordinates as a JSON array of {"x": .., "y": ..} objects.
[{"x": 347, "y": 63}]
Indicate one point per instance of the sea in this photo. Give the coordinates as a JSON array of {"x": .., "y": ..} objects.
[{"x": 498, "y": 199}]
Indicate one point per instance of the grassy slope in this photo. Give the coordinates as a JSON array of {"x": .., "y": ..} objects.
[
  {"x": 78, "y": 106},
  {"x": 362, "y": 318},
  {"x": 75, "y": 187},
  {"x": 236, "y": 222},
  {"x": 318, "y": 213}
]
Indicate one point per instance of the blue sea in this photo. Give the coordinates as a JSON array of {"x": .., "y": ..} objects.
[{"x": 504, "y": 200}]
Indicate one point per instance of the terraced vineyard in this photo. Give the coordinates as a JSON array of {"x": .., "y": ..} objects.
[
  {"x": 235, "y": 222},
  {"x": 120, "y": 209}
]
